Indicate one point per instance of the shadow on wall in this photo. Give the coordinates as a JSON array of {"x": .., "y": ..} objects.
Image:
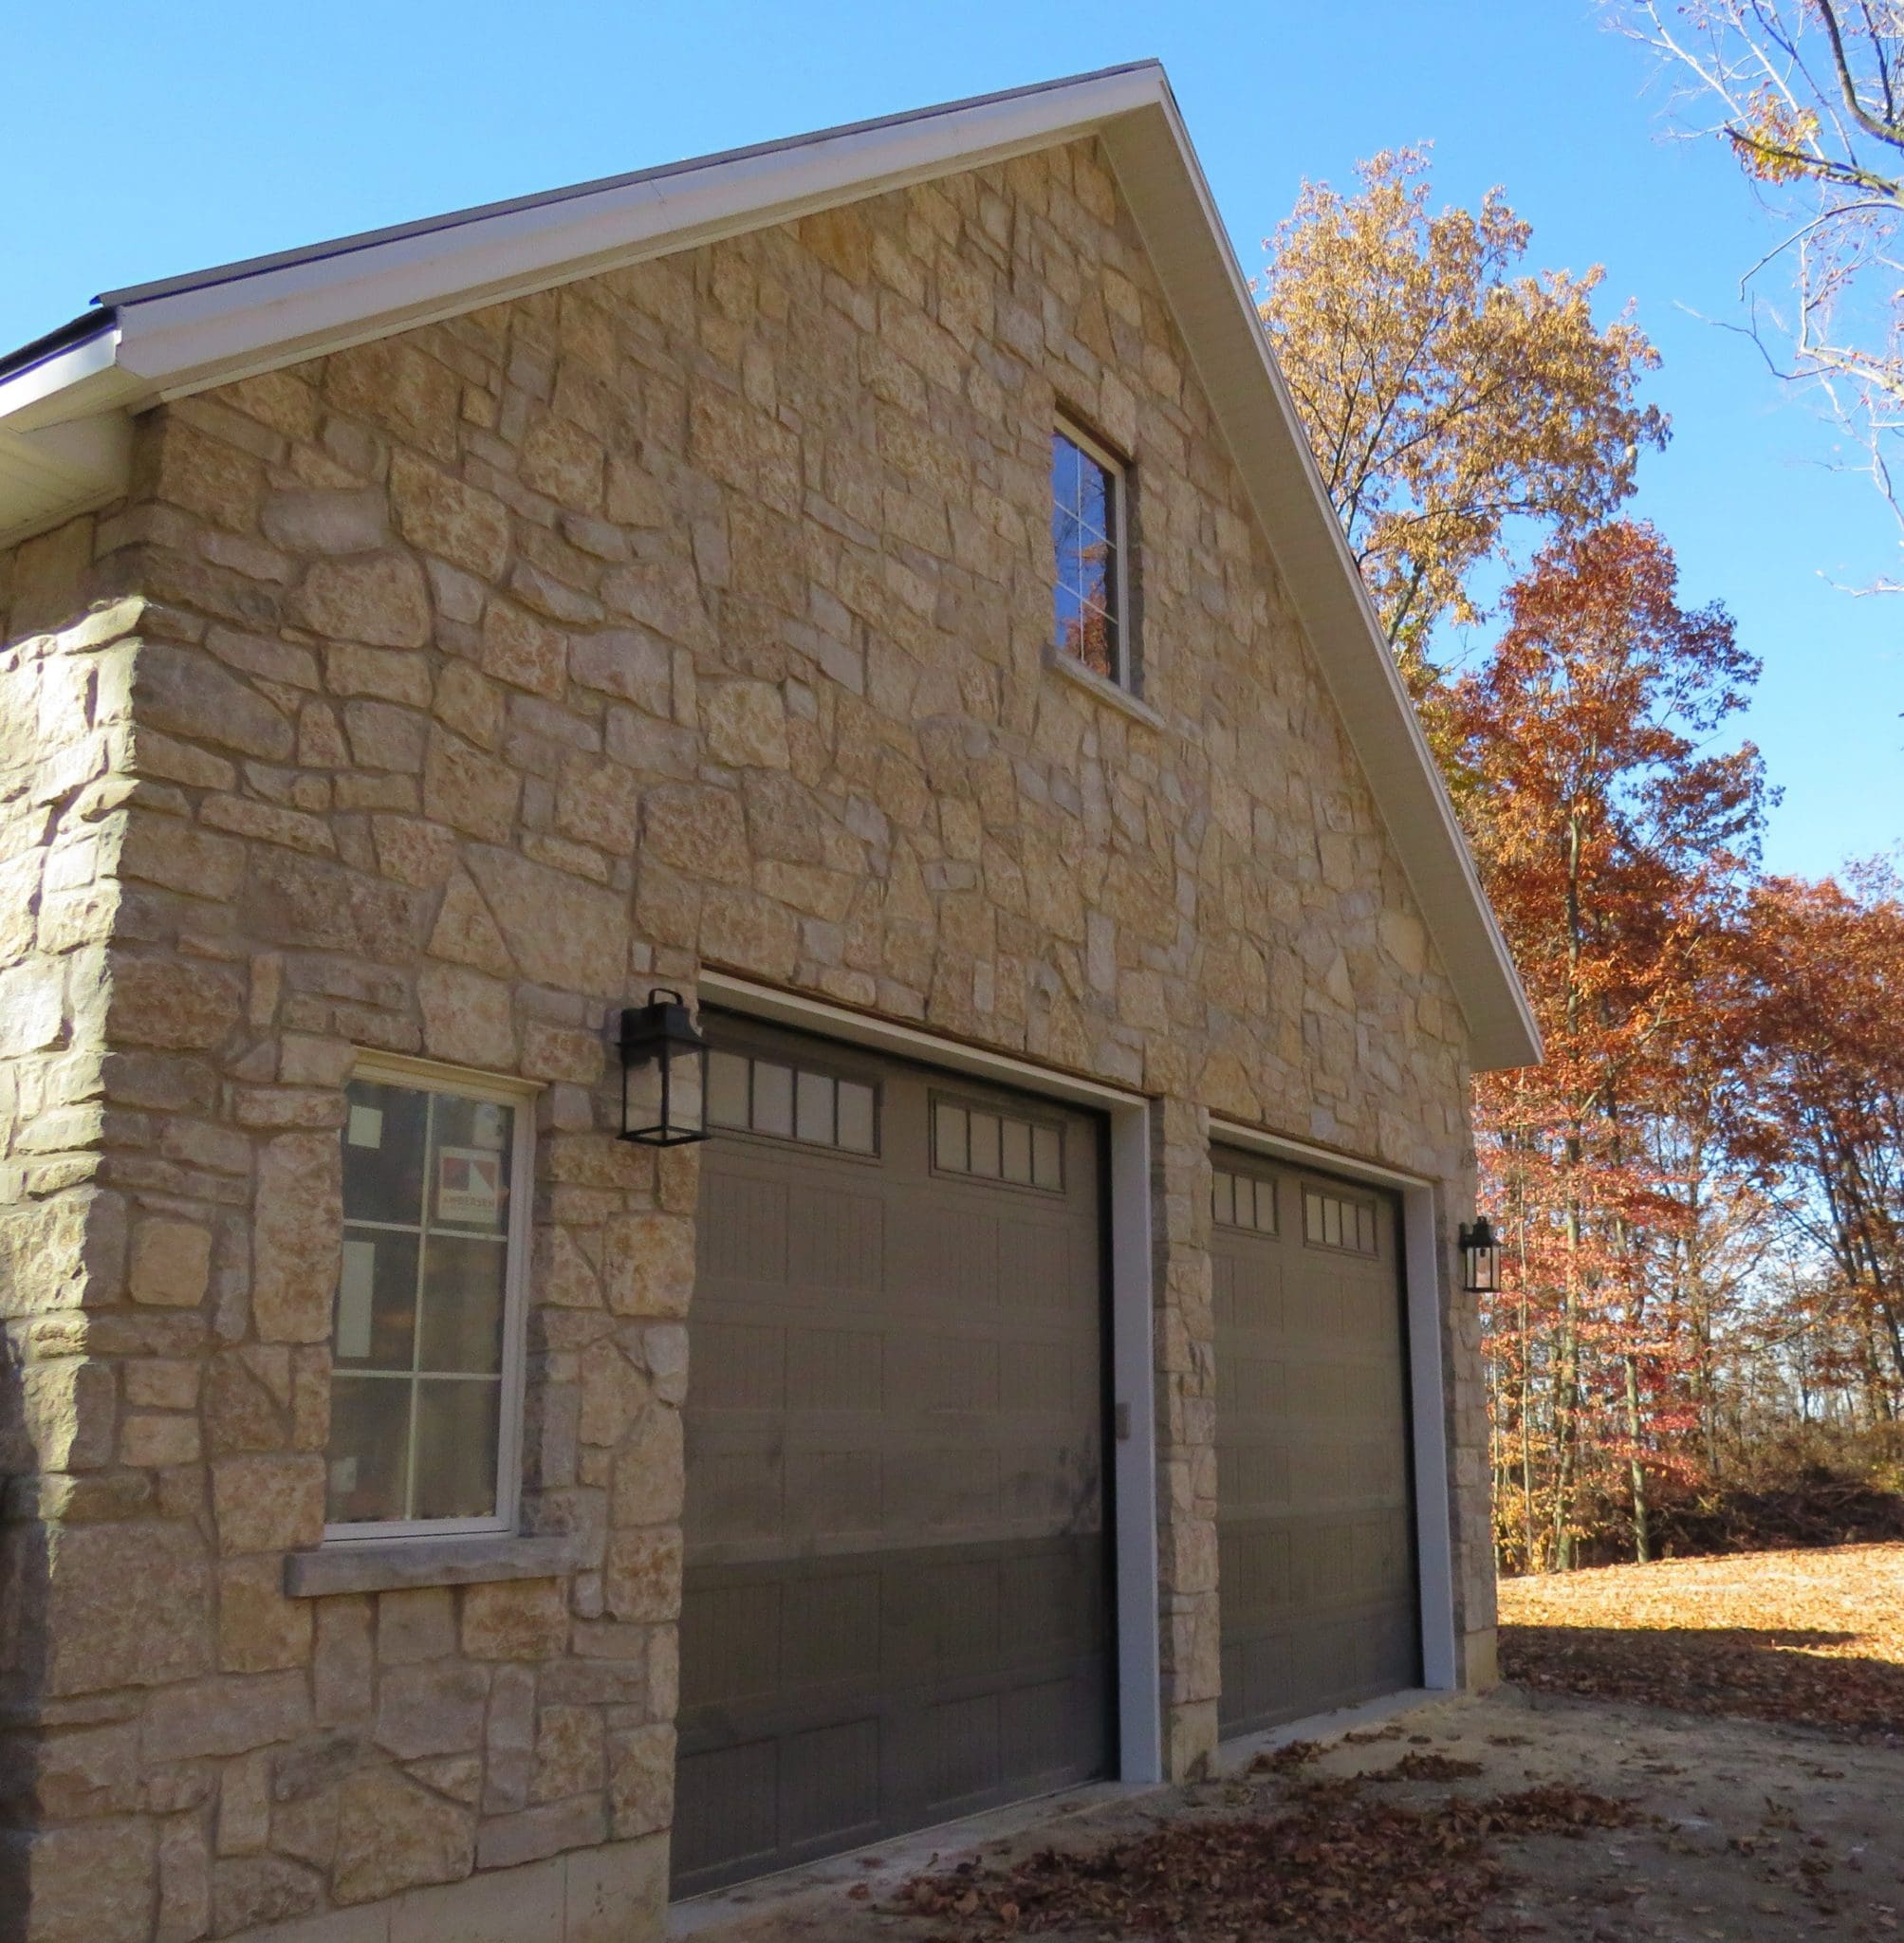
[{"x": 1770, "y": 1674}]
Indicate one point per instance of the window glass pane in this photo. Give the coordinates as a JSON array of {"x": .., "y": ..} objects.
[
  {"x": 463, "y": 1304},
  {"x": 1047, "y": 1158},
  {"x": 949, "y": 1138},
  {"x": 985, "y": 1145},
  {"x": 369, "y": 1442},
  {"x": 376, "y": 1300},
  {"x": 1312, "y": 1216},
  {"x": 814, "y": 1115},
  {"x": 1225, "y": 1198},
  {"x": 1017, "y": 1151},
  {"x": 772, "y": 1098},
  {"x": 383, "y": 1152},
  {"x": 855, "y": 1116},
  {"x": 727, "y": 1089},
  {"x": 456, "y": 1449},
  {"x": 1065, "y": 459},
  {"x": 470, "y": 1163},
  {"x": 1265, "y": 1206},
  {"x": 1094, "y": 498},
  {"x": 1365, "y": 1229},
  {"x": 1332, "y": 1222}
]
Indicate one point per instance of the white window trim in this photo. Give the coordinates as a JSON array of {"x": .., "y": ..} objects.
[
  {"x": 505, "y": 1090},
  {"x": 1121, "y": 685}
]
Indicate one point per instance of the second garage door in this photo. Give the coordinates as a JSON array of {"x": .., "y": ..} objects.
[
  {"x": 1315, "y": 1520},
  {"x": 897, "y": 1598}
]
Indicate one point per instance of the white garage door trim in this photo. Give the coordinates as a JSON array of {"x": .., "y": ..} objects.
[
  {"x": 1422, "y": 1272},
  {"x": 1140, "y": 1696}
]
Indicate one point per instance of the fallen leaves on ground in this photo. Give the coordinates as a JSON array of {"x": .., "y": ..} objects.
[
  {"x": 1811, "y": 1636},
  {"x": 1331, "y": 1863}
]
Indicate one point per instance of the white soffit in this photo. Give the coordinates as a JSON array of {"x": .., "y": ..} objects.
[{"x": 63, "y": 417}]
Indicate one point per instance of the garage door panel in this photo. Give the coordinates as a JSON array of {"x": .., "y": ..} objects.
[
  {"x": 1315, "y": 1520},
  {"x": 894, "y": 1517}
]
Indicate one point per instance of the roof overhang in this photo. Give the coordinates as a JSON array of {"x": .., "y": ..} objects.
[{"x": 65, "y": 404}]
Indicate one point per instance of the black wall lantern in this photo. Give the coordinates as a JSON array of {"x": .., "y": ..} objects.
[
  {"x": 662, "y": 1033},
  {"x": 1480, "y": 1257}
]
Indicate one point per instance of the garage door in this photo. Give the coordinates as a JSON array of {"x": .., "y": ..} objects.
[
  {"x": 1315, "y": 1523},
  {"x": 897, "y": 1606}
]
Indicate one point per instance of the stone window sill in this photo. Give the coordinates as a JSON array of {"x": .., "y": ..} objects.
[
  {"x": 1095, "y": 684},
  {"x": 393, "y": 1565}
]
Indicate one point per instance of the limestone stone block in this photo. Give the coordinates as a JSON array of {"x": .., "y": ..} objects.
[
  {"x": 251, "y": 1892},
  {"x": 521, "y": 1618},
  {"x": 377, "y": 599},
  {"x": 468, "y": 1019},
  {"x": 230, "y": 1713},
  {"x": 343, "y": 1661},
  {"x": 642, "y": 1576},
  {"x": 259, "y": 1629},
  {"x": 245, "y": 1805},
  {"x": 650, "y": 1470},
  {"x": 184, "y": 691},
  {"x": 151, "y": 1441},
  {"x": 296, "y": 1237},
  {"x": 416, "y": 1622},
  {"x": 504, "y": 1841},
  {"x": 568, "y": 1754},
  {"x": 472, "y": 791},
  {"x": 745, "y": 725},
  {"x": 169, "y": 1002},
  {"x": 392, "y": 1834},
  {"x": 268, "y": 1503},
  {"x": 523, "y": 651},
  {"x": 443, "y": 515},
  {"x": 171, "y": 1262},
  {"x": 89, "y": 1882},
  {"x": 184, "y": 1881},
  {"x": 129, "y": 1604},
  {"x": 337, "y": 521},
  {"x": 641, "y": 1780},
  {"x": 648, "y": 1268},
  {"x": 434, "y": 1708},
  {"x": 560, "y": 931}
]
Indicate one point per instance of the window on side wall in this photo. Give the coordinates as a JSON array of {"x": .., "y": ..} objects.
[
  {"x": 1090, "y": 588},
  {"x": 427, "y": 1329}
]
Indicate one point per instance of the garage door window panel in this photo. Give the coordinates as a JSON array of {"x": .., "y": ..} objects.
[{"x": 782, "y": 1101}]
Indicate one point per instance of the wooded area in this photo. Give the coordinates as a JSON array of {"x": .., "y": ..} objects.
[{"x": 1700, "y": 1341}]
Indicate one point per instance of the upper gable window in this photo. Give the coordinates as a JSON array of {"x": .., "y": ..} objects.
[{"x": 1090, "y": 608}]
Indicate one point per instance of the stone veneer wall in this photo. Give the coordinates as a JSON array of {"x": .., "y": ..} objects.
[{"x": 468, "y": 682}]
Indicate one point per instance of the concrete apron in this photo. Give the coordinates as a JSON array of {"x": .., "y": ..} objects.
[{"x": 727, "y": 1916}]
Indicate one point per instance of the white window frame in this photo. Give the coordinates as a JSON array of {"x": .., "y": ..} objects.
[
  {"x": 1120, "y": 471},
  {"x": 501, "y": 1090}
]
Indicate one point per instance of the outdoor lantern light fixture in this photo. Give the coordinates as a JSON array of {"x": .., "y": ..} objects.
[
  {"x": 662, "y": 1033},
  {"x": 1480, "y": 1257}
]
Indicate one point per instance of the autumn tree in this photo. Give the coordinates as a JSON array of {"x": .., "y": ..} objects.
[
  {"x": 1808, "y": 95},
  {"x": 1818, "y": 1099},
  {"x": 1614, "y": 842},
  {"x": 1452, "y": 401}
]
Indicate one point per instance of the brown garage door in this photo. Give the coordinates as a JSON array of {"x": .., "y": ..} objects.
[
  {"x": 1315, "y": 1525},
  {"x": 896, "y": 1603}
]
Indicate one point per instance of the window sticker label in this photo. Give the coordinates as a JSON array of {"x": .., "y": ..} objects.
[
  {"x": 469, "y": 1186},
  {"x": 366, "y": 1126},
  {"x": 487, "y": 1125},
  {"x": 356, "y": 1284}
]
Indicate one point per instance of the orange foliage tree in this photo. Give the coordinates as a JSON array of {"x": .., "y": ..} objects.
[{"x": 1616, "y": 845}]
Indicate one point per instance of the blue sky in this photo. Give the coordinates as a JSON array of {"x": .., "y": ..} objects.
[{"x": 165, "y": 139}]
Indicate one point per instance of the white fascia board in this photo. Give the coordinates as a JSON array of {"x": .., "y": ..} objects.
[
  {"x": 256, "y": 321},
  {"x": 1164, "y": 185},
  {"x": 65, "y": 442}
]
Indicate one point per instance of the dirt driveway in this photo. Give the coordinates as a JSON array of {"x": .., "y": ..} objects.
[{"x": 1535, "y": 1811}]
